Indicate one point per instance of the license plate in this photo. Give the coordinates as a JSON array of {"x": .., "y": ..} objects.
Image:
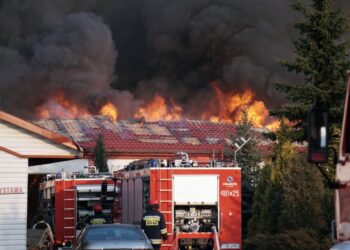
[{"x": 230, "y": 246}]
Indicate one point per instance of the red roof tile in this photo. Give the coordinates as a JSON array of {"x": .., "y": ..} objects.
[{"x": 124, "y": 136}]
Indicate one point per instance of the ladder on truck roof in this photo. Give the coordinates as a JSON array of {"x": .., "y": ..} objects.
[
  {"x": 69, "y": 208},
  {"x": 165, "y": 197}
]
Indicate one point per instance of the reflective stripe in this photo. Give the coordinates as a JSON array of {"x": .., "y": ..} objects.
[
  {"x": 156, "y": 241},
  {"x": 163, "y": 231},
  {"x": 151, "y": 220},
  {"x": 96, "y": 221}
]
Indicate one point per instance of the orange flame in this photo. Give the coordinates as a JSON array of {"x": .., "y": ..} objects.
[
  {"x": 230, "y": 109},
  {"x": 109, "y": 110},
  {"x": 157, "y": 110},
  {"x": 274, "y": 125},
  {"x": 58, "y": 106},
  {"x": 224, "y": 107},
  {"x": 43, "y": 113}
]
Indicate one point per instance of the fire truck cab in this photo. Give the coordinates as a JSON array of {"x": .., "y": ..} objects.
[{"x": 201, "y": 204}]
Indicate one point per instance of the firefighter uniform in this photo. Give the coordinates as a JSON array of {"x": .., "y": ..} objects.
[
  {"x": 97, "y": 219},
  {"x": 154, "y": 226}
]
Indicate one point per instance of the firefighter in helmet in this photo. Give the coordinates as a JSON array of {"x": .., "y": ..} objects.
[
  {"x": 154, "y": 226},
  {"x": 98, "y": 217}
]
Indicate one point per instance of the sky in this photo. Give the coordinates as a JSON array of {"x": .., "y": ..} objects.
[{"x": 97, "y": 51}]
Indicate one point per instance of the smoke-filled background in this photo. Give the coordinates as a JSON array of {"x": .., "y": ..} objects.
[{"x": 94, "y": 51}]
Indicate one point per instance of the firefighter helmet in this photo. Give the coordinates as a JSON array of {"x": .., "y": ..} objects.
[
  {"x": 98, "y": 208},
  {"x": 154, "y": 203}
]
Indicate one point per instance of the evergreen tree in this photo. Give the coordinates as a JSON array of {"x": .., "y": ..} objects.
[
  {"x": 321, "y": 57},
  {"x": 288, "y": 240},
  {"x": 266, "y": 205},
  {"x": 248, "y": 159},
  {"x": 289, "y": 198},
  {"x": 249, "y": 156},
  {"x": 283, "y": 152},
  {"x": 269, "y": 192},
  {"x": 100, "y": 155},
  {"x": 303, "y": 196}
]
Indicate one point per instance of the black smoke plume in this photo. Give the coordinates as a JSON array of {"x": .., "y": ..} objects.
[{"x": 94, "y": 51}]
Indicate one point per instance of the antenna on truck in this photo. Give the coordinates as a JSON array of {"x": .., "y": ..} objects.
[{"x": 238, "y": 147}]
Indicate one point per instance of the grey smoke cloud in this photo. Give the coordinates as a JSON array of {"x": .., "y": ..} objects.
[
  {"x": 126, "y": 51},
  {"x": 75, "y": 55}
]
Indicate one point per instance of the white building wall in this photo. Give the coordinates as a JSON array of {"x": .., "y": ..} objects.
[
  {"x": 70, "y": 166},
  {"x": 13, "y": 207},
  {"x": 27, "y": 143},
  {"x": 116, "y": 164}
]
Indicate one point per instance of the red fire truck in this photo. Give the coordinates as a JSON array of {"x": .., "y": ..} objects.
[
  {"x": 201, "y": 205},
  {"x": 68, "y": 200}
]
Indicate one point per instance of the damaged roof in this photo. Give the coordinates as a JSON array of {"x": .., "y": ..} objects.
[{"x": 138, "y": 136}]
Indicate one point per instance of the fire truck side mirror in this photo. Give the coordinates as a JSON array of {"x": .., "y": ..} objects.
[{"x": 317, "y": 127}]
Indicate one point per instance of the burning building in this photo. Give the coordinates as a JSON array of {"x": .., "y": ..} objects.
[
  {"x": 131, "y": 140},
  {"x": 51, "y": 145}
]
